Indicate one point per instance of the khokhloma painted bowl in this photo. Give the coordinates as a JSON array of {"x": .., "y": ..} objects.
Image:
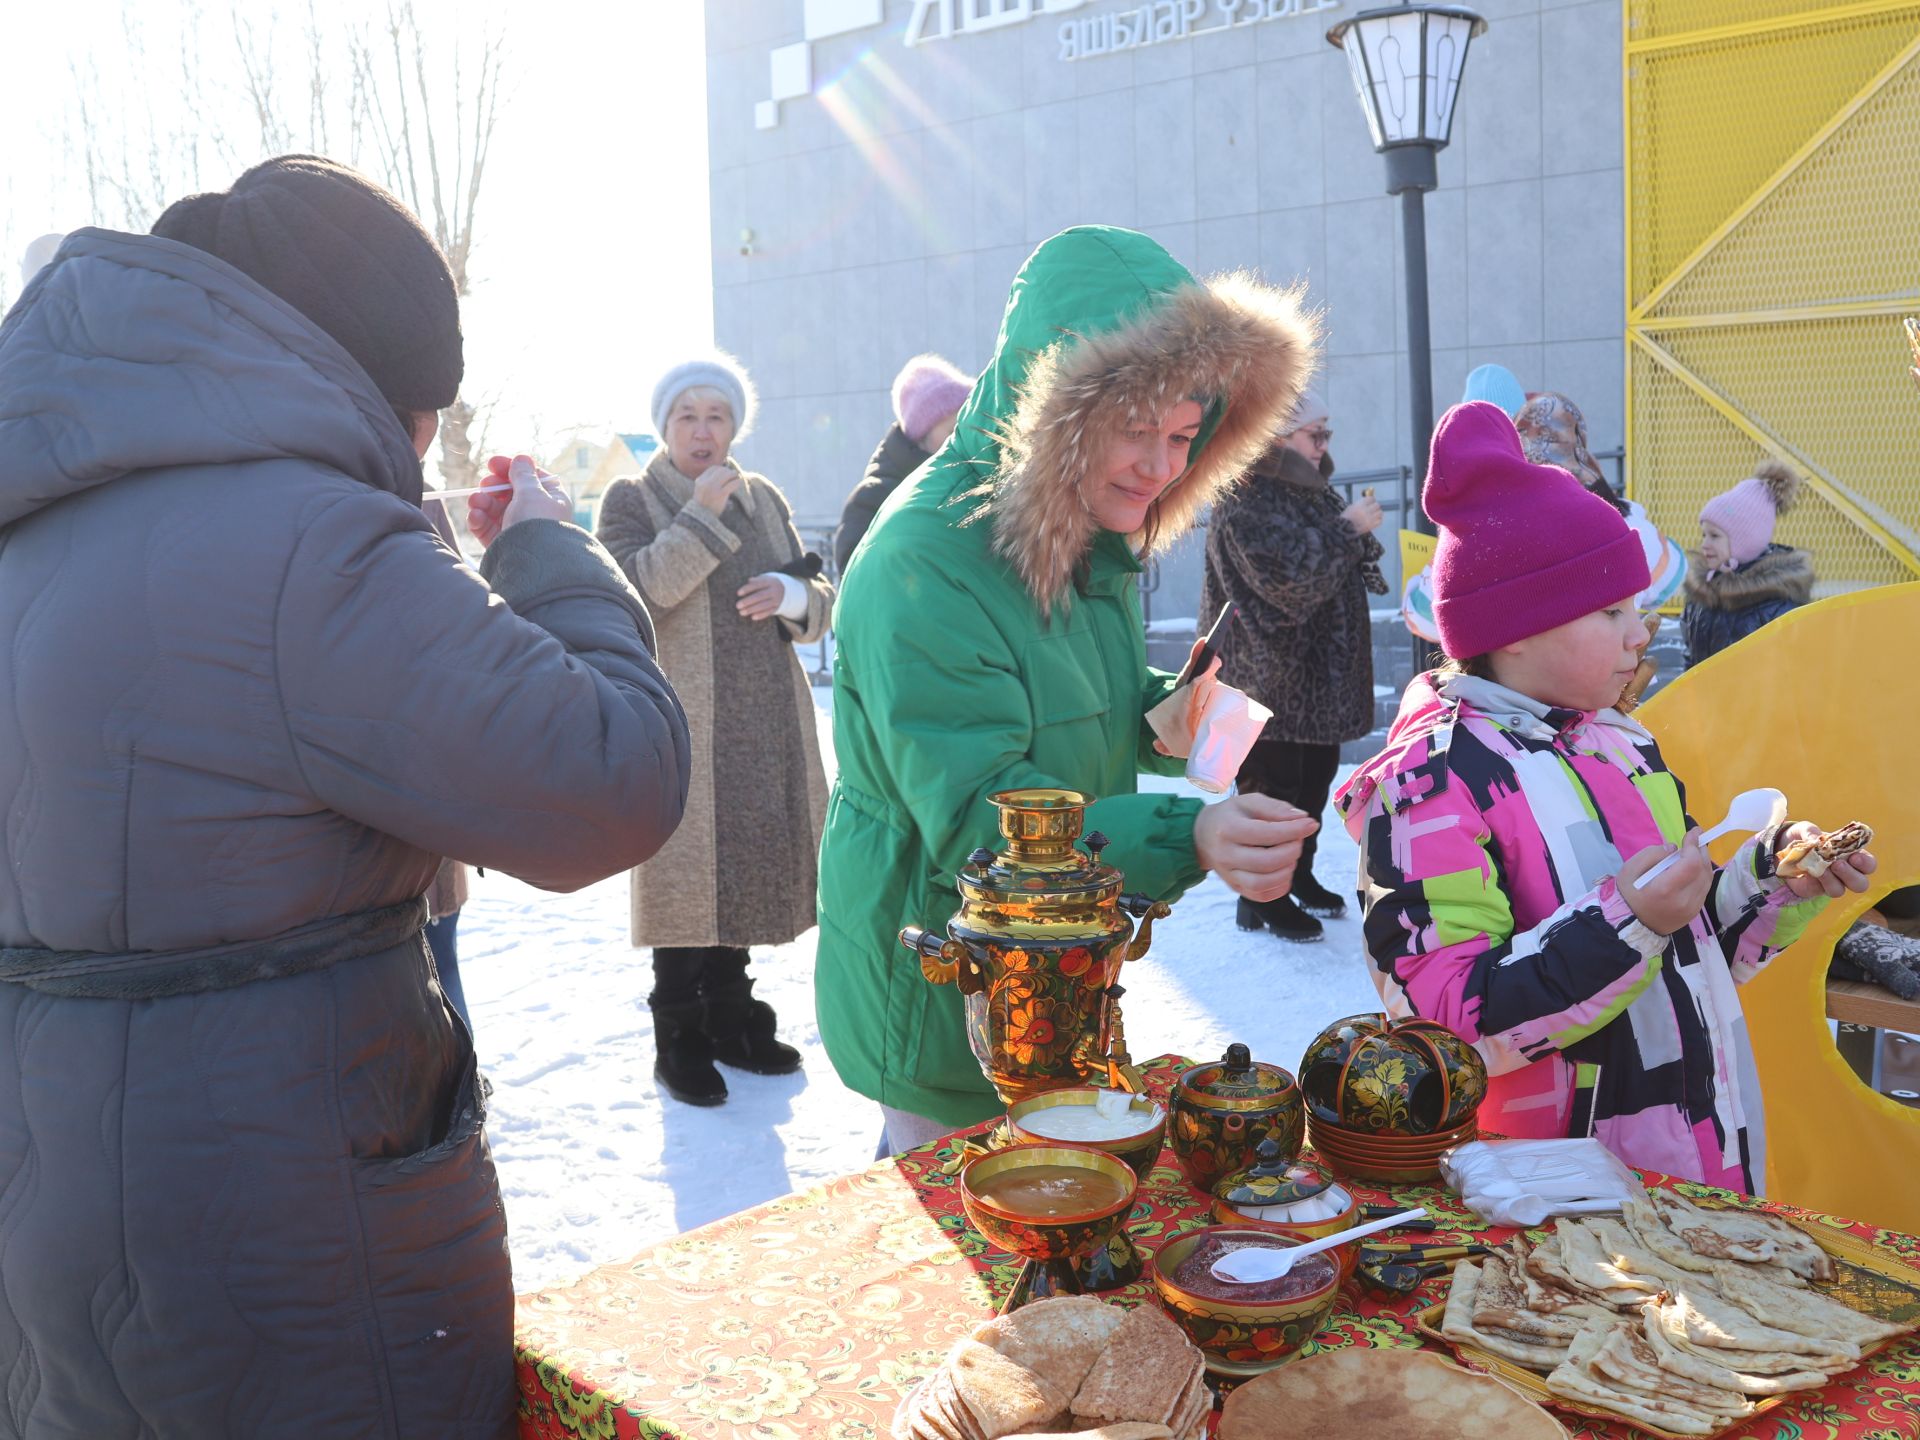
[
  {"x": 1053, "y": 1237},
  {"x": 1245, "y": 1337}
]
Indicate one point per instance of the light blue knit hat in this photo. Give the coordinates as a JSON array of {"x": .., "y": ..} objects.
[
  {"x": 719, "y": 370},
  {"x": 1495, "y": 383}
]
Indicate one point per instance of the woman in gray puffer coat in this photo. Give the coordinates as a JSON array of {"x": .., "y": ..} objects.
[{"x": 250, "y": 699}]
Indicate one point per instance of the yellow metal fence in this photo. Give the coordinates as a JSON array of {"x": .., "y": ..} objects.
[{"x": 1773, "y": 243}]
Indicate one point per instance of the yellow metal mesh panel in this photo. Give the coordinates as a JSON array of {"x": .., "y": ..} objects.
[
  {"x": 1683, "y": 451},
  {"x": 1663, "y": 19},
  {"x": 1841, "y": 403},
  {"x": 1841, "y": 228},
  {"x": 1710, "y": 123}
]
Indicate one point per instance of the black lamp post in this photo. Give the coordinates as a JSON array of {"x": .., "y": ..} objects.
[{"x": 1407, "y": 61}]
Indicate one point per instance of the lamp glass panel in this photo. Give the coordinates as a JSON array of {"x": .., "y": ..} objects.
[
  {"x": 1394, "y": 54},
  {"x": 1447, "y": 38},
  {"x": 1357, "y": 67}
]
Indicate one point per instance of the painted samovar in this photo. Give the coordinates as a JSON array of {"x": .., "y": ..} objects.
[{"x": 1036, "y": 949}]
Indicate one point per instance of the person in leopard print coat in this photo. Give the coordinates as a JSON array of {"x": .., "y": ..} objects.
[{"x": 1299, "y": 563}]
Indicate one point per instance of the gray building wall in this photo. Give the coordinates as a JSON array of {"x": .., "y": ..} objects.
[{"x": 890, "y": 209}]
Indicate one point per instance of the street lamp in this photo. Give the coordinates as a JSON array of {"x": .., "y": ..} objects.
[{"x": 1407, "y": 61}]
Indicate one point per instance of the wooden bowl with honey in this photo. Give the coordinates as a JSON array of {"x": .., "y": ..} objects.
[{"x": 1049, "y": 1204}]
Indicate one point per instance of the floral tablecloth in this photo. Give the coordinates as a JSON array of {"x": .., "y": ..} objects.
[{"x": 812, "y": 1315}]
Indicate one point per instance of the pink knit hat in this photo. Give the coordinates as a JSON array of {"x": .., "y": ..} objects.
[
  {"x": 927, "y": 390},
  {"x": 1523, "y": 547},
  {"x": 1748, "y": 511}
]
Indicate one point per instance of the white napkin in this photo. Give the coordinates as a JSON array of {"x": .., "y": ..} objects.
[
  {"x": 1527, "y": 1182},
  {"x": 1168, "y": 720}
]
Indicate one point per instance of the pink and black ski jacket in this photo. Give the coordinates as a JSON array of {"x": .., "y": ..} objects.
[{"x": 1490, "y": 829}]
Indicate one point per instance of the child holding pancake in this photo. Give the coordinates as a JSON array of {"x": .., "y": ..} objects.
[{"x": 1504, "y": 826}]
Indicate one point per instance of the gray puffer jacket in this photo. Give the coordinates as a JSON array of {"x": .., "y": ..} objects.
[{"x": 246, "y": 688}]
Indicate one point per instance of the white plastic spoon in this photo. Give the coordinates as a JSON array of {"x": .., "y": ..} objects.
[
  {"x": 1252, "y": 1266},
  {"x": 1751, "y": 811}
]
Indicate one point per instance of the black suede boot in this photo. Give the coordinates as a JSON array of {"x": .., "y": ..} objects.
[
  {"x": 742, "y": 1031},
  {"x": 1315, "y": 898},
  {"x": 1283, "y": 917},
  {"x": 683, "y": 1055}
]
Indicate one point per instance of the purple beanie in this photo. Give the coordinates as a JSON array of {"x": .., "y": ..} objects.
[
  {"x": 928, "y": 390},
  {"x": 1523, "y": 547},
  {"x": 1748, "y": 512}
]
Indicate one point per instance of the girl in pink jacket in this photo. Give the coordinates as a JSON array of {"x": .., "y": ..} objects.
[{"x": 1505, "y": 823}]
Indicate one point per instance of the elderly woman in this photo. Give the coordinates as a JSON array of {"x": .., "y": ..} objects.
[
  {"x": 1300, "y": 564},
  {"x": 249, "y": 700},
  {"x": 990, "y": 635},
  {"x": 713, "y": 551}
]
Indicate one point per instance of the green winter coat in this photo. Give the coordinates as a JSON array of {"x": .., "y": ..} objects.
[{"x": 989, "y": 634}]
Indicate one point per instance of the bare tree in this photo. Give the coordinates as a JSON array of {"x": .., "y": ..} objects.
[
  {"x": 417, "y": 111},
  {"x": 130, "y": 165},
  {"x": 444, "y": 136}
]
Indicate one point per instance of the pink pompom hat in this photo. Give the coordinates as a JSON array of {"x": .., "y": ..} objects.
[{"x": 927, "y": 390}]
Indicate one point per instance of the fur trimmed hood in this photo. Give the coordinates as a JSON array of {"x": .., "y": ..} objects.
[
  {"x": 1103, "y": 325},
  {"x": 1778, "y": 573}
]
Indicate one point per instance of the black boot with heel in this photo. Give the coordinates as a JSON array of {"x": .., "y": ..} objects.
[
  {"x": 1315, "y": 898},
  {"x": 1283, "y": 917}
]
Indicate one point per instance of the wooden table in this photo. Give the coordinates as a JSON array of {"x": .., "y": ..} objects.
[
  {"x": 809, "y": 1317},
  {"x": 1860, "y": 1002}
]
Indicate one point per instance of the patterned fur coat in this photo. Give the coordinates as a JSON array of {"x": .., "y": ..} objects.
[
  {"x": 740, "y": 870},
  {"x": 1303, "y": 646}
]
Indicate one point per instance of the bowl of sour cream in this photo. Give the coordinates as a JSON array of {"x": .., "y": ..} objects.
[{"x": 1131, "y": 1128}]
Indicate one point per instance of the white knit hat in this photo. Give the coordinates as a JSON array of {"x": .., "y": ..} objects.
[
  {"x": 718, "y": 370},
  {"x": 39, "y": 255},
  {"x": 1309, "y": 409}
]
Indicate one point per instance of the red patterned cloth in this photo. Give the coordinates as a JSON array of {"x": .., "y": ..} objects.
[{"x": 810, "y": 1317}]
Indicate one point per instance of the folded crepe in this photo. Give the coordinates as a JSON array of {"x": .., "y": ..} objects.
[{"x": 1749, "y": 1235}]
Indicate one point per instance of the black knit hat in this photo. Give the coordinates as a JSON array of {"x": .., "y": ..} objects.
[{"x": 350, "y": 257}]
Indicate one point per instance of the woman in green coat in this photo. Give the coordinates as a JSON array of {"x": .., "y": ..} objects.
[{"x": 989, "y": 634}]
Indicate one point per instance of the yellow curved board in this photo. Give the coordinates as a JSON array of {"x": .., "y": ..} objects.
[{"x": 1824, "y": 704}]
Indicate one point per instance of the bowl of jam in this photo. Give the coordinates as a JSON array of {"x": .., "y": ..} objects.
[{"x": 1243, "y": 1329}]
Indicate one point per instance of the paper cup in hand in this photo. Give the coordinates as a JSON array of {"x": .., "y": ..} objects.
[{"x": 1228, "y": 727}]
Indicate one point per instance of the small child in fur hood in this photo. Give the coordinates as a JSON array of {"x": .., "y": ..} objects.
[{"x": 1739, "y": 579}]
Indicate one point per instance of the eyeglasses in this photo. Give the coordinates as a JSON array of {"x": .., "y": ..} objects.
[{"x": 1321, "y": 437}]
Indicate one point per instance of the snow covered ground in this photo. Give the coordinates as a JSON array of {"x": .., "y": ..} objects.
[{"x": 595, "y": 1163}]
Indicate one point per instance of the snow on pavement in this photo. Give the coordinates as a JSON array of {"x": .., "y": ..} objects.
[{"x": 594, "y": 1163}]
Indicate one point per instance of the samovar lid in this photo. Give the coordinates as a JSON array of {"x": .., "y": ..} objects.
[{"x": 1041, "y": 862}]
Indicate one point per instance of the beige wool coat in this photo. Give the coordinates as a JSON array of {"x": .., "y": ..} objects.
[{"x": 742, "y": 868}]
